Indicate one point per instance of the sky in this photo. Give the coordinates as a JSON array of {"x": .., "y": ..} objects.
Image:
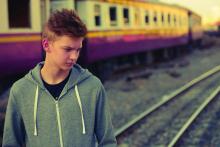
[{"x": 208, "y": 9}]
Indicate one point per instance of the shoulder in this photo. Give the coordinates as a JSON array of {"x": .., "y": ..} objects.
[
  {"x": 16, "y": 90},
  {"x": 92, "y": 84},
  {"x": 86, "y": 76},
  {"x": 20, "y": 85},
  {"x": 94, "y": 81}
]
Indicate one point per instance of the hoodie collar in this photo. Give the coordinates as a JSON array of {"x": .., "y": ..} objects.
[{"x": 77, "y": 75}]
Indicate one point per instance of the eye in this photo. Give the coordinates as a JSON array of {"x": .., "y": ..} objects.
[
  {"x": 67, "y": 49},
  {"x": 78, "y": 50}
]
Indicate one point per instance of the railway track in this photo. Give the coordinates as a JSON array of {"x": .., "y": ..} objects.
[
  {"x": 202, "y": 128},
  {"x": 187, "y": 98},
  {"x": 192, "y": 120}
]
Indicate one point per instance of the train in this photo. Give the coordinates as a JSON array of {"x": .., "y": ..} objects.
[
  {"x": 117, "y": 29},
  {"x": 213, "y": 29}
]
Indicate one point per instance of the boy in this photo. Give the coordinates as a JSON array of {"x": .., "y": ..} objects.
[{"x": 58, "y": 103}]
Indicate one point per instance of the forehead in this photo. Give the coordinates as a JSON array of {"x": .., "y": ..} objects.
[{"x": 68, "y": 41}]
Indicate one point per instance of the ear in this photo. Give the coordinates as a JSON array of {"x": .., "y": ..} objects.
[{"x": 45, "y": 44}]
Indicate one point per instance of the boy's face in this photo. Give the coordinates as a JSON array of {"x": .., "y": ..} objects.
[{"x": 63, "y": 52}]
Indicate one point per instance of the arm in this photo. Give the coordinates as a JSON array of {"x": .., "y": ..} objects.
[
  {"x": 103, "y": 125},
  {"x": 13, "y": 127}
]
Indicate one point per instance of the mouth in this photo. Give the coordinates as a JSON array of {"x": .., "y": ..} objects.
[{"x": 69, "y": 64}]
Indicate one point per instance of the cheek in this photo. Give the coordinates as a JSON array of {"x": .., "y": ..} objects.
[
  {"x": 59, "y": 56},
  {"x": 64, "y": 57}
]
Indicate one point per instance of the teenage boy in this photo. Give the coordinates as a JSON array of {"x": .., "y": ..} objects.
[{"x": 58, "y": 103}]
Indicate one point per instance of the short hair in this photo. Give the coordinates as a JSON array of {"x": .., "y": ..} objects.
[{"x": 64, "y": 22}]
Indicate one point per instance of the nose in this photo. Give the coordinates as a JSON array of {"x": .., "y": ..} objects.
[{"x": 74, "y": 55}]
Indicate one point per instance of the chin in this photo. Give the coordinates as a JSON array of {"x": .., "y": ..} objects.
[{"x": 67, "y": 68}]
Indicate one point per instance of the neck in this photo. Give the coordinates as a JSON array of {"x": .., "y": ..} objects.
[{"x": 51, "y": 75}]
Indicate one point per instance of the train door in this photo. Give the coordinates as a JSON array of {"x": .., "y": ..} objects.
[
  {"x": 60, "y": 4},
  {"x": 45, "y": 7}
]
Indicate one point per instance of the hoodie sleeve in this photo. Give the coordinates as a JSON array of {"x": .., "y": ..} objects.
[
  {"x": 13, "y": 127},
  {"x": 103, "y": 125}
]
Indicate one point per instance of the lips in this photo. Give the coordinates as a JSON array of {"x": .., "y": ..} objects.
[{"x": 69, "y": 64}]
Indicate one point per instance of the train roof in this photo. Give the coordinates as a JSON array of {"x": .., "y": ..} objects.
[
  {"x": 187, "y": 9},
  {"x": 147, "y": 1},
  {"x": 172, "y": 5}
]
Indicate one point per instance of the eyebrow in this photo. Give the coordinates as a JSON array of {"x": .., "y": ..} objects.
[
  {"x": 71, "y": 48},
  {"x": 68, "y": 47}
]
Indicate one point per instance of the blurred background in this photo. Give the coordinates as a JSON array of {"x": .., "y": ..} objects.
[{"x": 140, "y": 49}]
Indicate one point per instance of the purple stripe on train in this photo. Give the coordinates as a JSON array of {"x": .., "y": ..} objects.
[
  {"x": 103, "y": 48},
  {"x": 19, "y": 57}
]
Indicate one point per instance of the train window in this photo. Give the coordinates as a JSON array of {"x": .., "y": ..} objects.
[
  {"x": 126, "y": 16},
  {"x": 155, "y": 17},
  {"x": 146, "y": 17},
  {"x": 19, "y": 13},
  {"x": 113, "y": 16},
  {"x": 97, "y": 12}
]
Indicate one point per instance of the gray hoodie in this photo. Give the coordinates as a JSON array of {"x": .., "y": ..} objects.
[{"x": 79, "y": 118}]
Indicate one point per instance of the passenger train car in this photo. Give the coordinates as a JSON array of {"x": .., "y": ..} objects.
[
  {"x": 117, "y": 28},
  {"x": 213, "y": 29}
]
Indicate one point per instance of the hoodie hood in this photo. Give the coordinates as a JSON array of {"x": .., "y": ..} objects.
[{"x": 78, "y": 75}]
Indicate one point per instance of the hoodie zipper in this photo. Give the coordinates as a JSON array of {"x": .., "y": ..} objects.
[
  {"x": 58, "y": 119},
  {"x": 58, "y": 115},
  {"x": 59, "y": 123}
]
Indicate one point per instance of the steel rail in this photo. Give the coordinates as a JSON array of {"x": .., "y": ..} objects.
[
  {"x": 193, "y": 117},
  {"x": 166, "y": 99}
]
